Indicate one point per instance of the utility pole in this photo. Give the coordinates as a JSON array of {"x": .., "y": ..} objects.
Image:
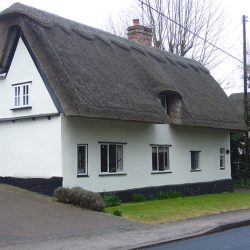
[{"x": 244, "y": 20}]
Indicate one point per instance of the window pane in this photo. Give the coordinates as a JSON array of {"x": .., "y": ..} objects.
[
  {"x": 119, "y": 158},
  {"x": 112, "y": 158},
  {"x": 82, "y": 161},
  {"x": 194, "y": 160},
  {"x": 222, "y": 150},
  {"x": 166, "y": 159},
  {"x": 222, "y": 158},
  {"x": 154, "y": 158},
  {"x": 221, "y": 162},
  {"x": 104, "y": 158},
  {"x": 161, "y": 158}
]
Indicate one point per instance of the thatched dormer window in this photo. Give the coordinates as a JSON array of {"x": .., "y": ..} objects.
[
  {"x": 171, "y": 101},
  {"x": 164, "y": 101}
]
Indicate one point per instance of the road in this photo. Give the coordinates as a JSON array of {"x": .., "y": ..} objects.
[{"x": 234, "y": 239}]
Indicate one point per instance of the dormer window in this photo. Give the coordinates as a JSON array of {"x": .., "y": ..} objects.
[
  {"x": 22, "y": 95},
  {"x": 164, "y": 101},
  {"x": 171, "y": 102}
]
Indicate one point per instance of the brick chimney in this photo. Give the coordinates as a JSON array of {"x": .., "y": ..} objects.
[{"x": 140, "y": 33}]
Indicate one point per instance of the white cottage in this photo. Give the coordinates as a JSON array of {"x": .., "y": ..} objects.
[{"x": 82, "y": 107}]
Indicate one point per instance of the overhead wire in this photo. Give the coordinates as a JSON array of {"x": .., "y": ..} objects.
[{"x": 183, "y": 27}]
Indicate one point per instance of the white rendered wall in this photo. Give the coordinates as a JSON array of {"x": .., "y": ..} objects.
[
  {"x": 31, "y": 148},
  {"x": 138, "y": 153},
  {"x": 23, "y": 69}
]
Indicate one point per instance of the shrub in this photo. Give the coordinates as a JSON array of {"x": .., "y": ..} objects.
[
  {"x": 75, "y": 195},
  {"x": 62, "y": 194},
  {"x": 80, "y": 197},
  {"x": 111, "y": 200},
  {"x": 168, "y": 195},
  {"x": 117, "y": 212},
  {"x": 138, "y": 197}
]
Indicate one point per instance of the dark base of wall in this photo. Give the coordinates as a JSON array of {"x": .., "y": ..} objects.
[
  {"x": 39, "y": 185},
  {"x": 185, "y": 189}
]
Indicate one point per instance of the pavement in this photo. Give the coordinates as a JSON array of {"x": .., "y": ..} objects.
[{"x": 31, "y": 221}]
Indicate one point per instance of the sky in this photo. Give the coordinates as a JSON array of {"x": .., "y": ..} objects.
[{"x": 95, "y": 13}]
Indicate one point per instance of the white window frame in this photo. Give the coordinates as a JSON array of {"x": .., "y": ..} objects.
[
  {"x": 166, "y": 162},
  {"x": 195, "y": 167},
  {"x": 22, "y": 96},
  {"x": 79, "y": 173},
  {"x": 222, "y": 158},
  {"x": 119, "y": 168}
]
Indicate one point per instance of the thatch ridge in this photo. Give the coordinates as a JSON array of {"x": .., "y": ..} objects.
[{"x": 96, "y": 74}]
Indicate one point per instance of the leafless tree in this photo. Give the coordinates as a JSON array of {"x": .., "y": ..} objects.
[{"x": 177, "y": 26}]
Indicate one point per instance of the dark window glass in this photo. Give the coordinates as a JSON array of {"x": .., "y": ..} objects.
[
  {"x": 161, "y": 158},
  {"x": 112, "y": 158},
  {"x": 82, "y": 159},
  {"x": 166, "y": 152},
  {"x": 154, "y": 158},
  {"x": 194, "y": 160},
  {"x": 104, "y": 158}
]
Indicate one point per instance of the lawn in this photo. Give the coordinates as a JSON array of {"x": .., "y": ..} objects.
[{"x": 160, "y": 211}]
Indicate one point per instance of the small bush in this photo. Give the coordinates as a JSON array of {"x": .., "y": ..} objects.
[
  {"x": 138, "y": 197},
  {"x": 168, "y": 195},
  {"x": 75, "y": 195},
  {"x": 80, "y": 197},
  {"x": 62, "y": 194},
  {"x": 111, "y": 200},
  {"x": 117, "y": 212}
]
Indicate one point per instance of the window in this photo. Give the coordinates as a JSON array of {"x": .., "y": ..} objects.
[
  {"x": 222, "y": 158},
  {"x": 164, "y": 102},
  {"x": 82, "y": 161},
  {"x": 195, "y": 160},
  {"x": 111, "y": 158},
  {"x": 160, "y": 158},
  {"x": 21, "y": 95}
]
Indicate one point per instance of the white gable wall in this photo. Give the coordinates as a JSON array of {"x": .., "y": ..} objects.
[
  {"x": 23, "y": 69},
  {"x": 137, "y": 160},
  {"x": 28, "y": 147},
  {"x": 31, "y": 148}
]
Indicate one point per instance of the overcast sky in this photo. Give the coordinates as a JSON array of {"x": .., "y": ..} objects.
[{"x": 96, "y": 12}]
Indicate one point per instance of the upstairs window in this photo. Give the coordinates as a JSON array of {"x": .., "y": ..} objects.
[
  {"x": 21, "y": 95},
  {"x": 195, "y": 160},
  {"x": 164, "y": 101},
  {"x": 222, "y": 158},
  {"x": 160, "y": 158},
  {"x": 111, "y": 158}
]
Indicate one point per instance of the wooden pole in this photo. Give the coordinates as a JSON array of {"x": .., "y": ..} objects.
[{"x": 244, "y": 20}]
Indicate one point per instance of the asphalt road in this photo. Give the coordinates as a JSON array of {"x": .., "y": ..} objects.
[{"x": 234, "y": 239}]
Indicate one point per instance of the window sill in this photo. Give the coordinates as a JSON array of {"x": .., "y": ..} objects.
[
  {"x": 112, "y": 174},
  {"x": 195, "y": 170},
  {"x": 82, "y": 175},
  {"x": 21, "y": 108},
  {"x": 162, "y": 172}
]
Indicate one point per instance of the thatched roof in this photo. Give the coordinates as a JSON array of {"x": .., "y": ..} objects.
[{"x": 92, "y": 73}]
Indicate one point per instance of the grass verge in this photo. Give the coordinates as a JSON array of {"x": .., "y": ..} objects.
[{"x": 160, "y": 211}]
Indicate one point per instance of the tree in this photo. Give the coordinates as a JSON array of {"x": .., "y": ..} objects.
[{"x": 178, "y": 24}]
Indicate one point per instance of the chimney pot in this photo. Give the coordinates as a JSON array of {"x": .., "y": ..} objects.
[{"x": 136, "y": 22}]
